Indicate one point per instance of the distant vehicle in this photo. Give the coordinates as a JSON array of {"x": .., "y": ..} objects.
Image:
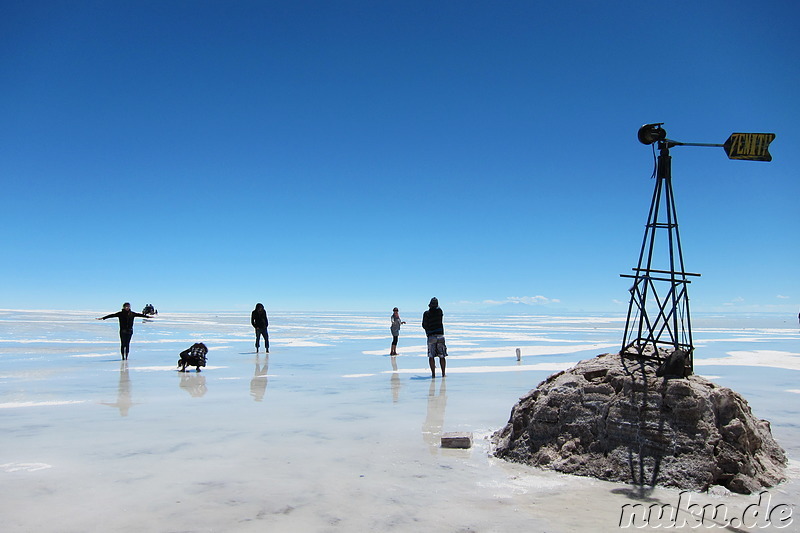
[{"x": 149, "y": 310}]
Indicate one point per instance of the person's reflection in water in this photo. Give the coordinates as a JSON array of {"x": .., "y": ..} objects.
[
  {"x": 194, "y": 384},
  {"x": 395, "y": 380},
  {"x": 258, "y": 385},
  {"x": 432, "y": 428},
  {"x": 123, "y": 402}
]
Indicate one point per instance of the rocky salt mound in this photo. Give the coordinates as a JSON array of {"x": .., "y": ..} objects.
[{"x": 611, "y": 418}]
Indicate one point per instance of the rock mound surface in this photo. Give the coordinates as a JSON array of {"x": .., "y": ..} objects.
[{"x": 611, "y": 418}]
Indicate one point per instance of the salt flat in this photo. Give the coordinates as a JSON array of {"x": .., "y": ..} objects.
[{"x": 327, "y": 433}]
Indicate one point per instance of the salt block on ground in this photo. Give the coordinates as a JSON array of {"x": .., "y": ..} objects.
[{"x": 457, "y": 440}]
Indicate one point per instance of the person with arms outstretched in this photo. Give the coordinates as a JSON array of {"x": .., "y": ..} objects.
[{"x": 125, "y": 317}]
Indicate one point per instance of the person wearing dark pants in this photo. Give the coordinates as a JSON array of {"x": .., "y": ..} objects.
[
  {"x": 125, "y": 317},
  {"x": 259, "y": 320},
  {"x": 395, "y": 329}
]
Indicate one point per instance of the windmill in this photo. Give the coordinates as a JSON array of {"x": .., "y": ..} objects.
[{"x": 658, "y": 322}]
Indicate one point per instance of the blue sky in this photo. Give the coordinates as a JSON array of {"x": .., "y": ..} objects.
[{"x": 357, "y": 155}]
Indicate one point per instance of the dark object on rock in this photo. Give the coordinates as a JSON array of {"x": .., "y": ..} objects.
[
  {"x": 674, "y": 366},
  {"x": 611, "y": 418},
  {"x": 194, "y": 356}
]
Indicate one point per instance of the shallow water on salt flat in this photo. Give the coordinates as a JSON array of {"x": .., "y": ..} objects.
[{"x": 327, "y": 433}]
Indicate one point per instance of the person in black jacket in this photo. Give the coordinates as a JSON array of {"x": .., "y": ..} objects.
[
  {"x": 432, "y": 322},
  {"x": 258, "y": 319},
  {"x": 126, "y": 317},
  {"x": 195, "y": 355}
]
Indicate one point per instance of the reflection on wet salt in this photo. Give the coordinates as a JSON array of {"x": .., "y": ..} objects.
[
  {"x": 124, "y": 401},
  {"x": 258, "y": 385},
  {"x": 194, "y": 384},
  {"x": 434, "y": 419},
  {"x": 395, "y": 380}
]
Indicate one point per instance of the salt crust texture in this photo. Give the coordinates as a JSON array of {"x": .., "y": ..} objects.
[{"x": 611, "y": 418}]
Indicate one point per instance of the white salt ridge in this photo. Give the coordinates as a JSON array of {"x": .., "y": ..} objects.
[
  {"x": 51, "y": 403},
  {"x": 172, "y": 368},
  {"x": 451, "y": 369},
  {"x": 454, "y": 352},
  {"x": 24, "y": 467},
  {"x": 766, "y": 358},
  {"x": 298, "y": 343}
]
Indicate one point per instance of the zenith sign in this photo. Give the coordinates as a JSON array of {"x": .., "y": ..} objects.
[{"x": 749, "y": 146}]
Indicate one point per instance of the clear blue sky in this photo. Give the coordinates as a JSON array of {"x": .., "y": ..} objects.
[{"x": 340, "y": 155}]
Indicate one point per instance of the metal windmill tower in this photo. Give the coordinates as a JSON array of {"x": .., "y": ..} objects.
[{"x": 658, "y": 321}]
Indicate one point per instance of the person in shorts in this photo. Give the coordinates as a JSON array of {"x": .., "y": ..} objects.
[{"x": 432, "y": 323}]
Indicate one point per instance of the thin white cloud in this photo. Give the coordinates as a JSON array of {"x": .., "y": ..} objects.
[
  {"x": 736, "y": 301},
  {"x": 527, "y": 300},
  {"x": 782, "y": 297}
]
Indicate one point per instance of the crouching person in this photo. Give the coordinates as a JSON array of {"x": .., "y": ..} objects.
[{"x": 193, "y": 356}]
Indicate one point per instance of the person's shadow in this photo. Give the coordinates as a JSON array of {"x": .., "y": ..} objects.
[
  {"x": 258, "y": 385},
  {"x": 123, "y": 402},
  {"x": 432, "y": 427}
]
